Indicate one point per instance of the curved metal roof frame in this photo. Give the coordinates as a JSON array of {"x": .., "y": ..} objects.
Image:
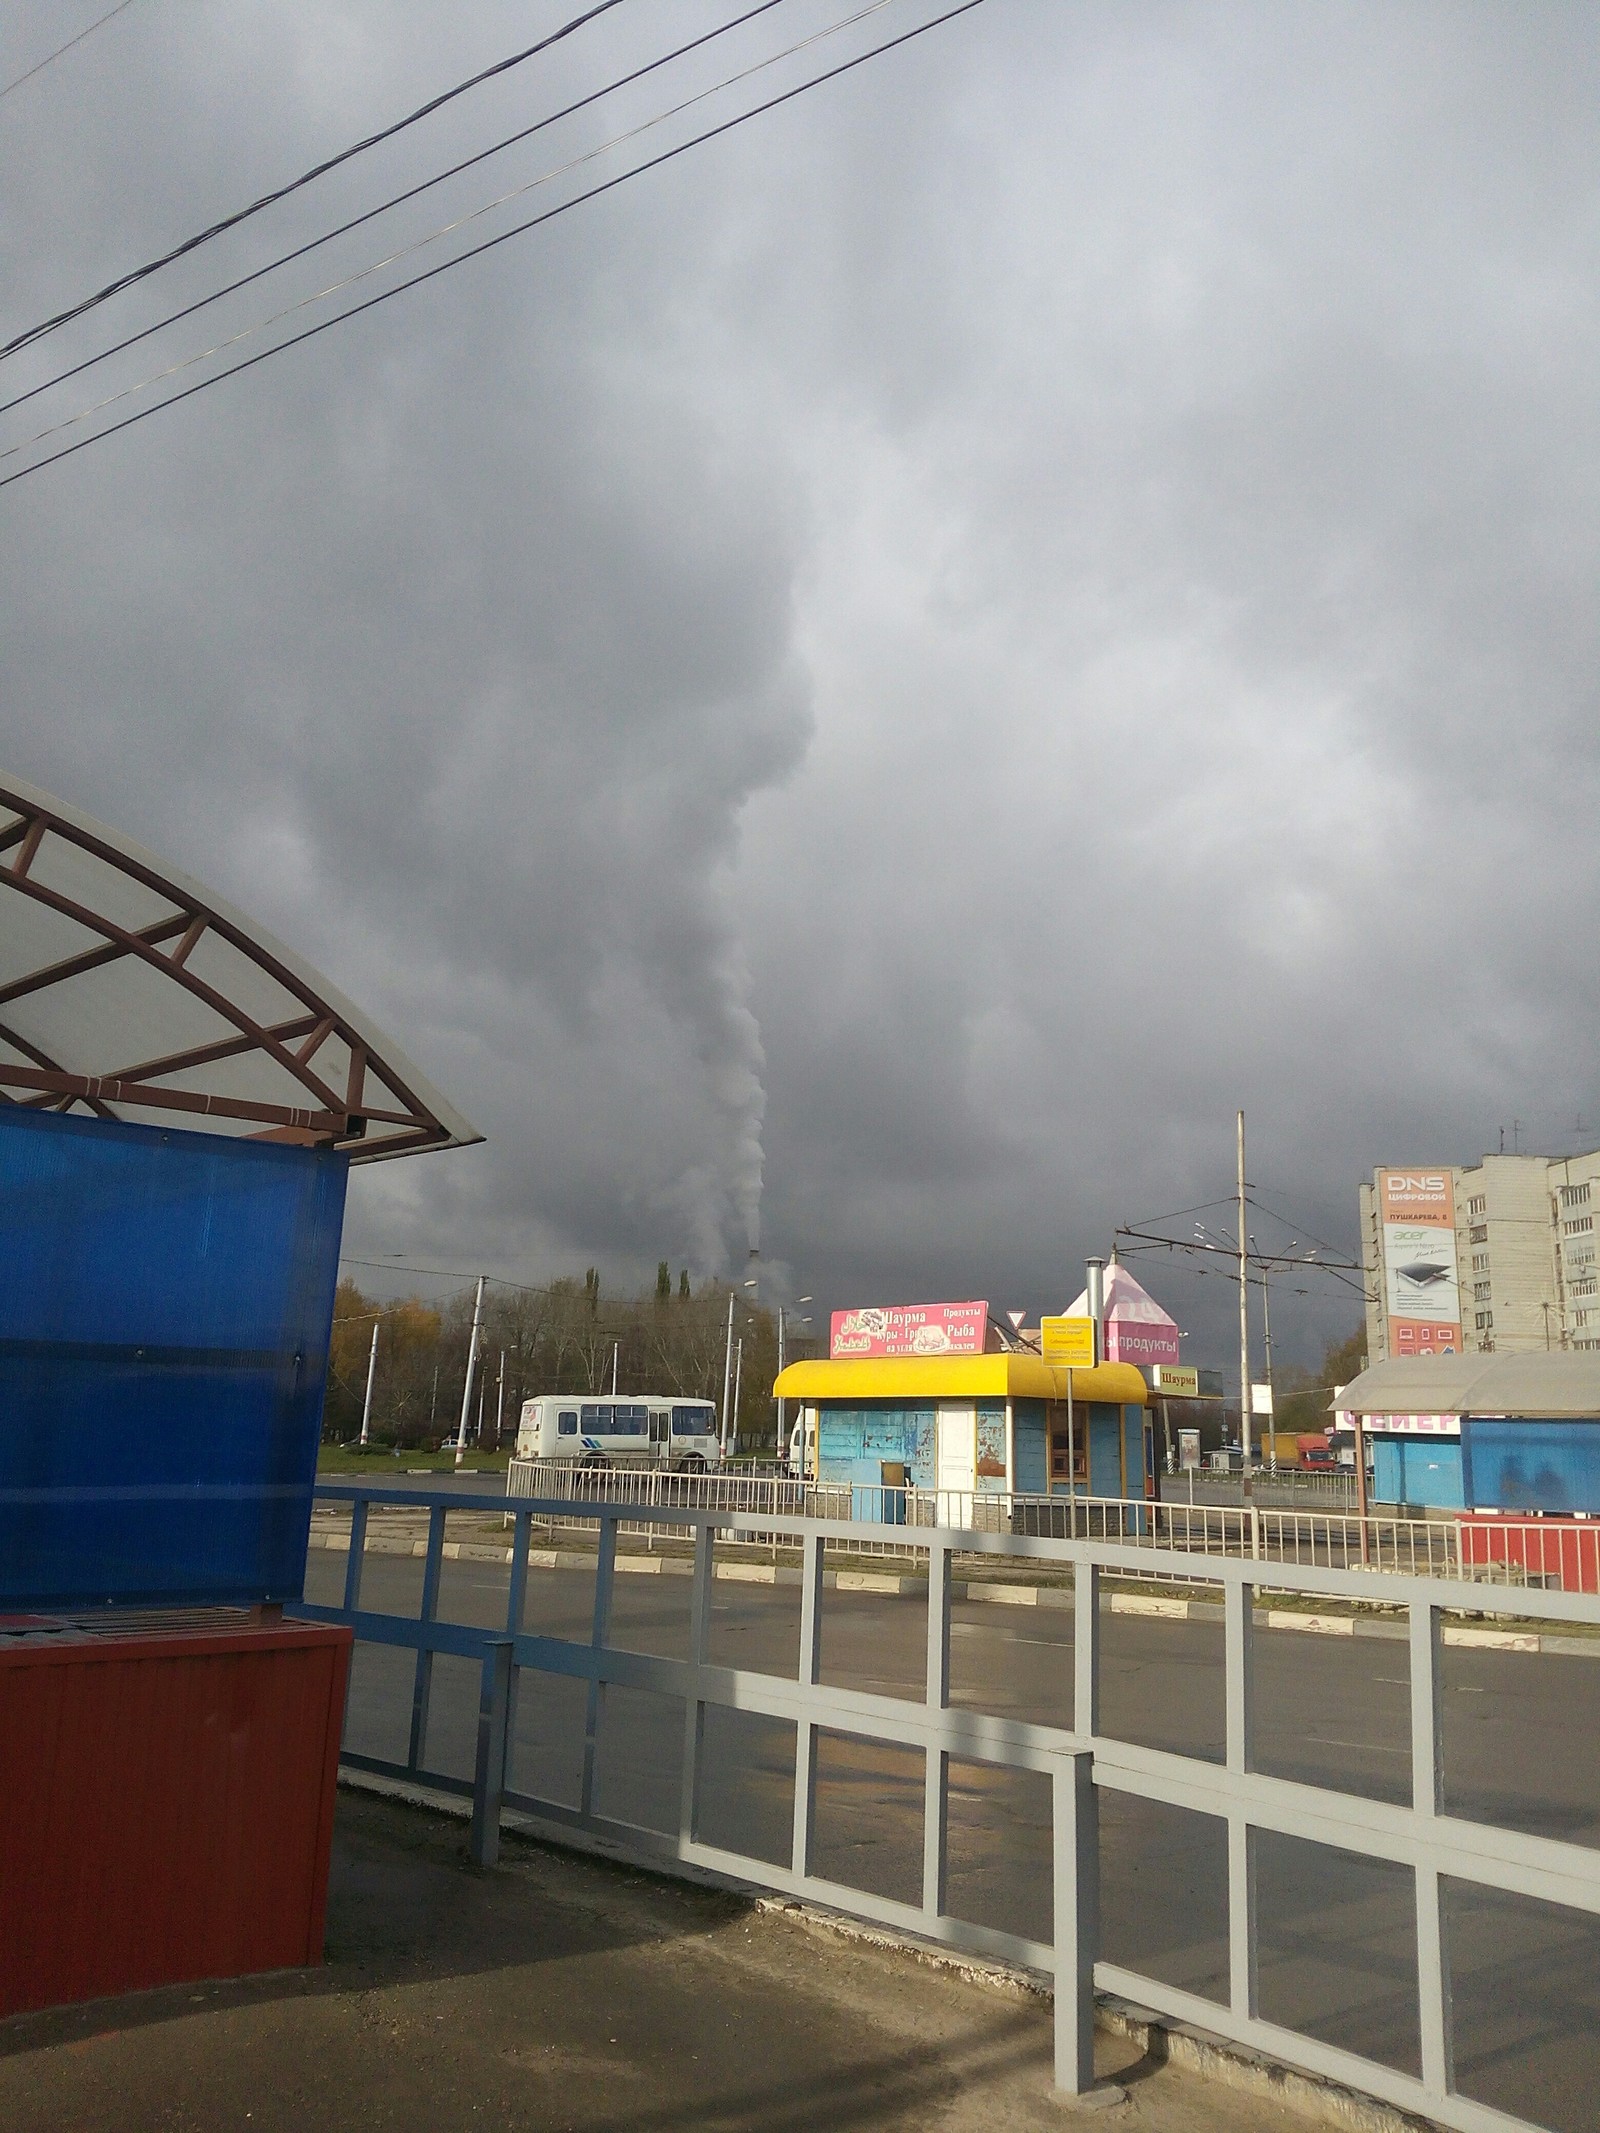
[{"x": 126, "y": 987}]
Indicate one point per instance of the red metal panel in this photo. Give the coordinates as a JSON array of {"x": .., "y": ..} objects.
[
  {"x": 1564, "y": 1549},
  {"x": 168, "y": 1807}
]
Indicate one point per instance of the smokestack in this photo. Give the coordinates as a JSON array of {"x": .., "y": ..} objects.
[{"x": 1094, "y": 1282}]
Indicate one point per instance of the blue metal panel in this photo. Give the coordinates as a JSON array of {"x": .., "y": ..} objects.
[
  {"x": 1417, "y": 1470},
  {"x": 1533, "y": 1465},
  {"x": 853, "y": 1443},
  {"x": 1030, "y": 1459},
  {"x": 165, "y": 1306},
  {"x": 1105, "y": 1451}
]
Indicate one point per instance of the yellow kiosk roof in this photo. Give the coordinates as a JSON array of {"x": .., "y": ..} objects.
[{"x": 960, "y": 1377}]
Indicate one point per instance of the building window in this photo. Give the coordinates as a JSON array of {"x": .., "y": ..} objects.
[
  {"x": 1480, "y": 1262},
  {"x": 1480, "y": 1233},
  {"x": 1574, "y": 1195},
  {"x": 1478, "y": 1204},
  {"x": 1480, "y": 1292},
  {"x": 1579, "y": 1226},
  {"x": 1483, "y": 1320}
]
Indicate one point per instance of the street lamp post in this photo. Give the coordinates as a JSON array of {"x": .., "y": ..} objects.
[{"x": 372, "y": 1367}]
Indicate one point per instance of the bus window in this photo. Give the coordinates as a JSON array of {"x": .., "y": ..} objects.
[
  {"x": 691, "y": 1421},
  {"x": 567, "y": 1426}
]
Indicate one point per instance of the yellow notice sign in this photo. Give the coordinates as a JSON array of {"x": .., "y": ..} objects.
[{"x": 1069, "y": 1341}]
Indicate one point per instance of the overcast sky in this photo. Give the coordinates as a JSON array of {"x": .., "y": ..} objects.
[{"x": 900, "y": 667}]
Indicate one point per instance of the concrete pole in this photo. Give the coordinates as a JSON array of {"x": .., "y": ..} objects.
[
  {"x": 782, "y": 1445},
  {"x": 1266, "y": 1335},
  {"x": 372, "y": 1367},
  {"x": 500, "y": 1403},
  {"x": 472, "y": 1364},
  {"x": 1245, "y": 1434},
  {"x": 738, "y": 1374},
  {"x": 727, "y": 1376}
]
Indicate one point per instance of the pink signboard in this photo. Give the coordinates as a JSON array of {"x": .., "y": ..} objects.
[
  {"x": 1139, "y": 1340},
  {"x": 910, "y": 1329}
]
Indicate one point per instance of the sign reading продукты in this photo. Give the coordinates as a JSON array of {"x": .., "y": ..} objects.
[{"x": 910, "y": 1329}]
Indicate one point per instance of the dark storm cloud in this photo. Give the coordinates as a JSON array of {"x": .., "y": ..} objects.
[{"x": 1037, "y": 595}]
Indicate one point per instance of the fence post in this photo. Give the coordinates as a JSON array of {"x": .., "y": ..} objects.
[
  {"x": 1076, "y": 1861},
  {"x": 1433, "y": 1967},
  {"x": 1085, "y": 1648},
  {"x": 694, "y": 1710},
  {"x": 937, "y": 1767},
  {"x": 805, "y": 1732},
  {"x": 604, "y": 1566},
  {"x": 1238, "y": 1627},
  {"x": 356, "y": 1560},
  {"x": 489, "y": 1772},
  {"x": 422, "y": 1680}
]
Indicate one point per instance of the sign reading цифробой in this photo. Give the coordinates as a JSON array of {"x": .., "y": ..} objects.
[{"x": 909, "y": 1329}]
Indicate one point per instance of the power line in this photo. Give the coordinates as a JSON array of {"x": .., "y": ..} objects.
[
  {"x": 282, "y": 192},
  {"x": 285, "y": 259},
  {"x": 668, "y": 155},
  {"x": 447, "y": 229},
  {"x": 50, "y": 57}
]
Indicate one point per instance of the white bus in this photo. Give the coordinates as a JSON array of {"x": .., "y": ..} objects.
[{"x": 626, "y": 1430}]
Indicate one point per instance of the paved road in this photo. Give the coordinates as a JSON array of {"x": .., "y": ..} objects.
[{"x": 1336, "y": 1932}]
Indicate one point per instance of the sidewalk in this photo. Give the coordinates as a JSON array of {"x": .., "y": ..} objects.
[{"x": 566, "y": 1993}]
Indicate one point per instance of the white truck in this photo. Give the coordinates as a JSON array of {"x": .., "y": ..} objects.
[{"x": 620, "y": 1430}]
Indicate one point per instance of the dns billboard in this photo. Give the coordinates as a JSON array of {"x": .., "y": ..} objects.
[{"x": 1422, "y": 1286}]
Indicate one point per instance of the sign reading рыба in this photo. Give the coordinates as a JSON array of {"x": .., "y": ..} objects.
[{"x": 910, "y": 1329}]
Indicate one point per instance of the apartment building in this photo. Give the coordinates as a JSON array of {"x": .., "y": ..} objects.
[{"x": 1495, "y": 1256}]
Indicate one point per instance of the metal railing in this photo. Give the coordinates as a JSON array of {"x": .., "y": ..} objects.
[
  {"x": 1083, "y": 1762},
  {"x": 1518, "y": 1554}
]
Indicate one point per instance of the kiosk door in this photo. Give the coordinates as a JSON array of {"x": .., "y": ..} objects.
[{"x": 958, "y": 1464}]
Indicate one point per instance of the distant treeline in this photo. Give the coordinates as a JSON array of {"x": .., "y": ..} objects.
[{"x": 564, "y": 1338}]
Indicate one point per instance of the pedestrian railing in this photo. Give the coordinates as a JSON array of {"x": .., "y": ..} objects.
[
  {"x": 1507, "y": 1552},
  {"x": 1405, "y": 1832}
]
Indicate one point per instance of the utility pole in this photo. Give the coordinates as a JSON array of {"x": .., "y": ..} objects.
[
  {"x": 782, "y": 1445},
  {"x": 1266, "y": 1334},
  {"x": 727, "y": 1376},
  {"x": 500, "y": 1403},
  {"x": 1244, "y": 1322},
  {"x": 372, "y": 1366},
  {"x": 472, "y": 1364},
  {"x": 616, "y": 1365},
  {"x": 738, "y": 1374}
]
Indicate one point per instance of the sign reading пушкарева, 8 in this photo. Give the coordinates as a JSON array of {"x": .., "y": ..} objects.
[{"x": 910, "y": 1329}]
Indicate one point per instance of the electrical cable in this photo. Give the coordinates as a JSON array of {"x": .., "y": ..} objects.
[
  {"x": 61, "y": 49},
  {"x": 520, "y": 229},
  {"x": 285, "y": 259},
  {"x": 318, "y": 170},
  {"x": 420, "y": 244}
]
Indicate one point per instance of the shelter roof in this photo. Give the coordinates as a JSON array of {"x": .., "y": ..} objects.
[
  {"x": 127, "y": 990},
  {"x": 959, "y": 1377},
  {"x": 1561, "y": 1382}
]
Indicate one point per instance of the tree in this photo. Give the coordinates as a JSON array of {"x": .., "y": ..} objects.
[
  {"x": 683, "y": 1284},
  {"x": 1306, "y": 1395},
  {"x": 663, "y": 1282}
]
